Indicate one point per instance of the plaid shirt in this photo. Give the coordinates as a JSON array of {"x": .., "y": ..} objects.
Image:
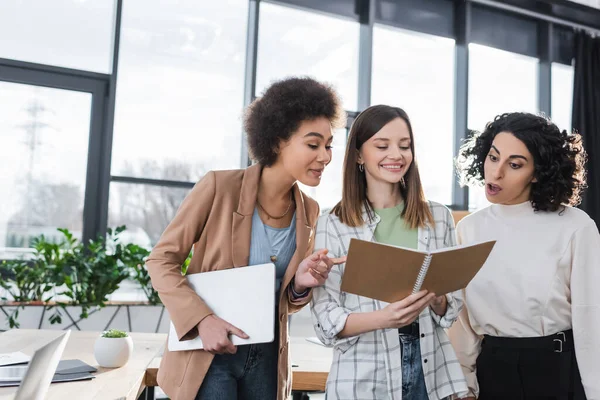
[{"x": 369, "y": 366}]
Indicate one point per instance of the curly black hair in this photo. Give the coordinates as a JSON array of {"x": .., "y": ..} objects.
[
  {"x": 559, "y": 158},
  {"x": 272, "y": 118}
]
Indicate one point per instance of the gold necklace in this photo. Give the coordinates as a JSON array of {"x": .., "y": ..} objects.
[{"x": 271, "y": 216}]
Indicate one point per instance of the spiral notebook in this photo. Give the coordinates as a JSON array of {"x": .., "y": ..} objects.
[{"x": 390, "y": 273}]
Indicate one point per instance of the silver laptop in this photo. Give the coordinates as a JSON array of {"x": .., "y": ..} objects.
[
  {"x": 36, "y": 377},
  {"x": 243, "y": 296}
]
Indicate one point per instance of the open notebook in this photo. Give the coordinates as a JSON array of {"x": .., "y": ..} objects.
[{"x": 390, "y": 273}]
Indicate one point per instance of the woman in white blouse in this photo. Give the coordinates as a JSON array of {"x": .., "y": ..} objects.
[{"x": 530, "y": 328}]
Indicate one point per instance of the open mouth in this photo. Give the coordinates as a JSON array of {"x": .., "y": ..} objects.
[
  {"x": 492, "y": 189},
  {"x": 317, "y": 173}
]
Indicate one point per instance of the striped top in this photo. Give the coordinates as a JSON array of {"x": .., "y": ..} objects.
[{"x": 369, "y": 366}]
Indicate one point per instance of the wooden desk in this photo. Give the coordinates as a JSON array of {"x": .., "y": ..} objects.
[
  {"x": 313, "y": 363},
  {"x": 125, "y": 383},
  {"x": 310, "y": 375}
]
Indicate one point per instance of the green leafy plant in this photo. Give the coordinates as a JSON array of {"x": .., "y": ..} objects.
[
  {"x": 114, "y": 333},
  {"x": 31, "y": 281},
  {"x": 84, "y": 274},
  {"x": 91, "y": 273}
]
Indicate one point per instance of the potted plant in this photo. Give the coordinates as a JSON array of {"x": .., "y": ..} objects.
[{"x": 113, "y": 348}]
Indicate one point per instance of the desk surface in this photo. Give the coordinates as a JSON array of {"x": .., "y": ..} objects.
[
  {"x": 124, "y": 383},
  {"x": 313, "y": 362}
]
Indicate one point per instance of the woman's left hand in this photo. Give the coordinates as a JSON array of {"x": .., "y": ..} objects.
[{"x": 314, "y": 270}]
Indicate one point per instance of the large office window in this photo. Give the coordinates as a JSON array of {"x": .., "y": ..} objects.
[
  {"x": 297, "y": 42},
  {"x": 146, "y": 210},
  {"x": 562, "y": 95},
  {"x": 65, "y": 33},
  {"x": 44, "y": 137},
  {"x": 180, "y": 90},
  {"x": 499, "y": 82},
  {"x": 179, "y": 104},
  {"x": 416, "y": 72}
]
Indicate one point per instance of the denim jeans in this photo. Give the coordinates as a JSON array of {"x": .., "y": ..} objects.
[
  {"x": 249, "y": 374},
  {"x": 413, "y": 380}
]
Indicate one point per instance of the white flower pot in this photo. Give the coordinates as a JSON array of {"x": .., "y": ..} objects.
[{"x": 113, "y": 352}]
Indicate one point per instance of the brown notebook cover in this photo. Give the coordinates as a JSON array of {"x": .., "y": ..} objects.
[{"x": 390, "y": 273}]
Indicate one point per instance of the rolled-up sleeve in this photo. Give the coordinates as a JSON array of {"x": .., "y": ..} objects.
[{"x": 327, "y": 306}]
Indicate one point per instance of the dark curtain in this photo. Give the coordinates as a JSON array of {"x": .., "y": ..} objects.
[{"x": 586, "y": 114}]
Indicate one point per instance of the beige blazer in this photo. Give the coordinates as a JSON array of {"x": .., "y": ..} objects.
[{"x": 216, "y": 219}]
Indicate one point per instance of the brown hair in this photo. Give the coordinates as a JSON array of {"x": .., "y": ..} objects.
[{"x": 349, "y": 210}]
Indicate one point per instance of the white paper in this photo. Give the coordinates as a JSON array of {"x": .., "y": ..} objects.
[{"x": 13, "y": 358}]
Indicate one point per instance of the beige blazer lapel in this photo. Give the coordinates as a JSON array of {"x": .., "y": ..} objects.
[{"x": 241, "y": 226}]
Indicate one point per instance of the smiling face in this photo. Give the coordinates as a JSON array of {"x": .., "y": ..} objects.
[
  {"x": 509, "y": 171},
  {"x": 308, "y": 151},
  {"x": 387, "y": 155}
]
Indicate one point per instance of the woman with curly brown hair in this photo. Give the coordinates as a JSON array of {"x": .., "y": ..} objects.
[
  {"x": 531, "y": 322},
  {"x": 243, "y": 218}
]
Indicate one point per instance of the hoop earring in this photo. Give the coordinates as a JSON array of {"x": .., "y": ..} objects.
[{"x": 361, "y": 167}]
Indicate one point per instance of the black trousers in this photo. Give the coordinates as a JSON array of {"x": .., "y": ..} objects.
[{"x": 543, "y": 368}]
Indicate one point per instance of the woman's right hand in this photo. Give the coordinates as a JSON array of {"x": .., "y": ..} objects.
[
  {"x": 215, "y": 332},
  {"x": 404, "y": 312}
]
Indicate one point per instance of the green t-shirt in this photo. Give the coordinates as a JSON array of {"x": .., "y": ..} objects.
[{"x": 392, "y": 228}]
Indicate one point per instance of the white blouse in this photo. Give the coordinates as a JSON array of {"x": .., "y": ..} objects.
[{"x": 542, "y": 277}]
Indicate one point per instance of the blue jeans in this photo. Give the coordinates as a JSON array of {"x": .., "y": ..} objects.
[
  {"x": 249, "y": 374},
  {"x": 413, "y": 380}
]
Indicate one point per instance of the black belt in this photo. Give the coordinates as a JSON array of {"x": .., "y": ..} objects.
[
  {"x": 559, "y": 342},
  {"x": 412, "y": 329}
]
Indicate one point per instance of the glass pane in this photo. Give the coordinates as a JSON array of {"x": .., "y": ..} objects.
[
  {"x": 181, "y": 83},
  {"x": 146, "y": 210},
  {"x": 66, "y": 33},
  {"x": 296, "y": 42},
  {"x": 329, "y": 191},
  {"x": 499, "y": 82},
  {"x": 44, "y": 137},
  {"x": 562, "y": 95},
  {"x": 416, "y": 73}
]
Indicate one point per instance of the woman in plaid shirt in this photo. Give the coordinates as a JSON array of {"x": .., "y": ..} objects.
[{"x": 381, "y": 350}]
